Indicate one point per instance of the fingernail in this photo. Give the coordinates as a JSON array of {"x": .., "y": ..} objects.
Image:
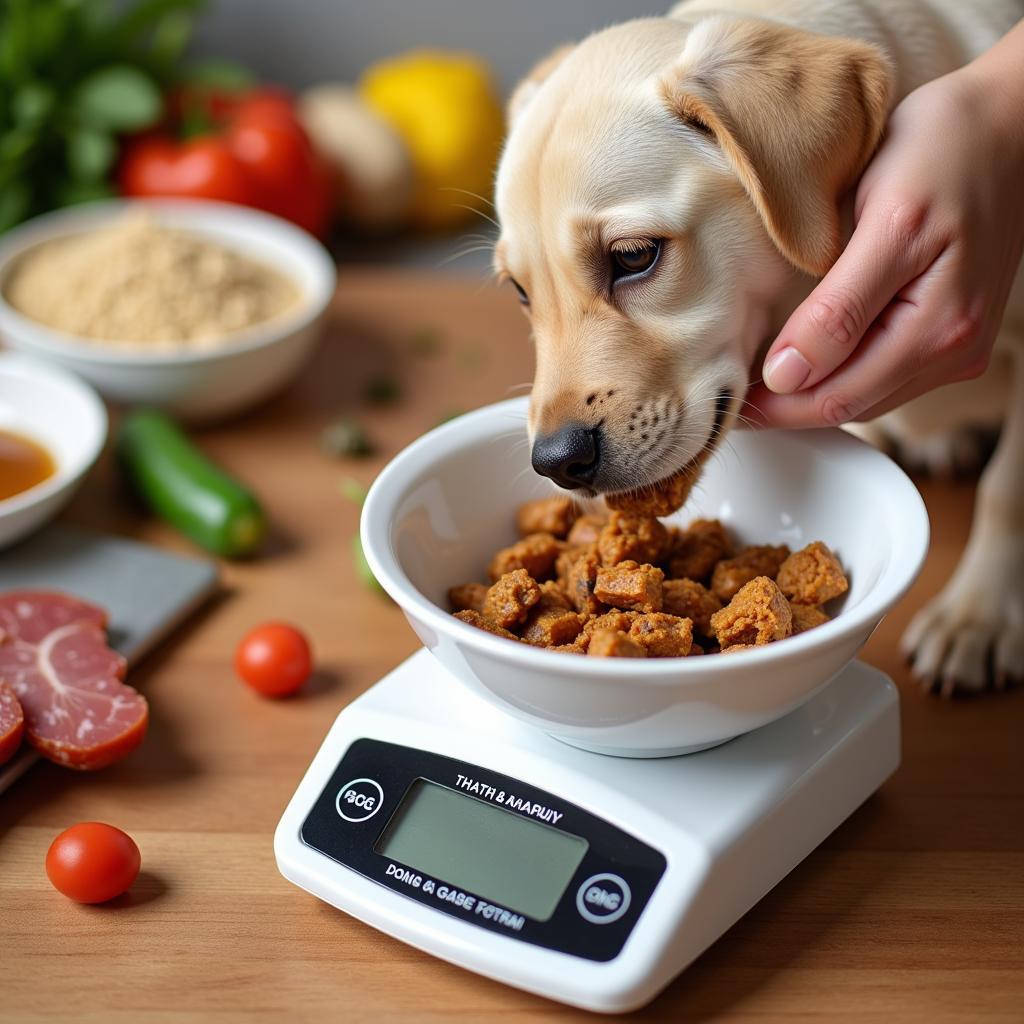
[{"x": 786, "y": 371}]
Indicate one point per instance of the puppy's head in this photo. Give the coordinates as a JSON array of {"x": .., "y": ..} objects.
[{"x": 660, "y": 184}]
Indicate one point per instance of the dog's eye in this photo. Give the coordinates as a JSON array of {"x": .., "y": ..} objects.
[
  {"x": 523, "y": 297},
  {"x": 634, "y": 259}
]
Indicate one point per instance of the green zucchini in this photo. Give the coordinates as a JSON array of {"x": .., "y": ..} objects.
[{"x": 186, "y": 489}]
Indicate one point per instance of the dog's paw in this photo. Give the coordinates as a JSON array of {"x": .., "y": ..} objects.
[{"x": 971, "y": 636}]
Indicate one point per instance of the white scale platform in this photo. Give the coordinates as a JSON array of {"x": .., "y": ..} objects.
[{"x": 726, "y": 824}]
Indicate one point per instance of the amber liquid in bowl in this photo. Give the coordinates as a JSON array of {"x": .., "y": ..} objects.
[{"x": 23, "y": 464}]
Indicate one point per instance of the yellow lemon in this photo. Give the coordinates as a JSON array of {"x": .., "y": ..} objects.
[{"x": 445, "y": 108}]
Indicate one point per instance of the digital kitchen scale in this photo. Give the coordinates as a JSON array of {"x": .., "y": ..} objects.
[{"x": 593, "y": 880}]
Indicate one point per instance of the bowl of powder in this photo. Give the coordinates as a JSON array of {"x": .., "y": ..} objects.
[{"x": 196, "y": 307}]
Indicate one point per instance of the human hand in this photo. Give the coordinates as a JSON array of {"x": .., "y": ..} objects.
[{"x": 917, "y": 297}]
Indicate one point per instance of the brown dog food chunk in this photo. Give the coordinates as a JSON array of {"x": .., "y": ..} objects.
[
  {"x": 552, "y": 622},
  {"x": 611, "y": 643},
  {"x": 552, "y": 594},
  {"x": 663, "y": 636},
  {"x": 696, "y": 550},
  {"x": 508, "y": 602},
  {"x": 757, "y": 560},
  {"x": 812, "y": 575},
  {"x": 630, "y": 585},
  {"x": 616, "y": 621},
  {"x": 553, "y": 628},
  {"x": 546, "y": 515},
  {"x": 566, "y": 559},
  {"x": 586, "y": 530},
  {"x": 579, "y": 579},
  {"x": 628, "y": 538},
  {"x": 739, "y": 647},
  {"x": 806, "y": 616},
  {"x": 535, "y": 553},
  {"x": 758, "y": 614},
  {"x": 473, "y": 618},
  {"x": 572, "y": 648},
  {"x": 664, "y": 497},
  {"x": 690, "y": 600},
  {"x": 468, "y": 597}
]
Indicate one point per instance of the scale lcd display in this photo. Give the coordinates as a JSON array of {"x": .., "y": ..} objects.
[{"x": 493, "y": 853}]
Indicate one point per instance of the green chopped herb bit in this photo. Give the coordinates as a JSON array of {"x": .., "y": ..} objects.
[
  {"x": 75, "y": 77},
  {"x": 425, "y": 341},
  {"x": 382, "y": 389},
  {"x": 353, "y": 490},
  {"x": 363, "y": 570},
  {"x": 345, "y": 437}
]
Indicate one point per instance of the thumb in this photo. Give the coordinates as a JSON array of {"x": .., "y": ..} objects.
[{"x": 829, "y": 324}]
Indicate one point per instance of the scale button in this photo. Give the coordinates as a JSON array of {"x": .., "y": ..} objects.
[
  {"x": 359, "y": 800},
  {"x": 602, "y": 899}
]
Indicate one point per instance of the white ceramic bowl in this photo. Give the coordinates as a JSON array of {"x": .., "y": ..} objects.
[
  {"x": 439, "y": 511},
  {"x": 196, "y": 385},
  {"x": 62, "y": 414}
]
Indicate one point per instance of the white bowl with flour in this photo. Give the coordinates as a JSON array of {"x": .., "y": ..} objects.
[{"x": 194, "y": 379}]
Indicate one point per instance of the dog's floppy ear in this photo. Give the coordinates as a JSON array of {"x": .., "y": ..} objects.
[
  {"x": 797, "y": 115},
  {"x": 527, "y": 88}
]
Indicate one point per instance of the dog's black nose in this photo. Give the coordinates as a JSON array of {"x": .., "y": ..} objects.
[{"x": 569, "y": 457}]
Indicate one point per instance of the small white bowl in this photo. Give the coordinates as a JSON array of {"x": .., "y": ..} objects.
[
  {"x": 439, "y": 511},
  {"x": 193, "y": 384},
  {"x": 62, "y": 414}
]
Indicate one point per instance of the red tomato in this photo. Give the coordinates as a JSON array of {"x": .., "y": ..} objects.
[
  {"x": 218, "y": 106},
  {"x": 254, "y": 151},
  {"x": 268, "y": 104},
  {"x": 203, "y": 168},
  {"x": 275, "y": 158},
  {"x": 274, "y": 659},
  {"x": 266, "y": 137},
  {"x": 92, "y": 862}
]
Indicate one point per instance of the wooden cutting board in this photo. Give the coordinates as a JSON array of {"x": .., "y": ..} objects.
[
  {"x": 913, "y": 911},
  {"x": 146, "y": 592}
]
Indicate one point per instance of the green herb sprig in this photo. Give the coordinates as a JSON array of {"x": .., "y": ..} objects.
[{"x": 75, "y": 75}]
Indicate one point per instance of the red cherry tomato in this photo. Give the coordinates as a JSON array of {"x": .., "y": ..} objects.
[
  {"x": 92, "y": 862},
  {"x": 274, "y": 659}
]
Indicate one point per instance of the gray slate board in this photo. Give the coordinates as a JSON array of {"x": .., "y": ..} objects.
[{"x": 147, "y": 592}]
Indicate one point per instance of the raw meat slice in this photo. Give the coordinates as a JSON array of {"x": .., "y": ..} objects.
[
  {"x": 54, "y": 654},
  {"x": 12, "y": 723}
]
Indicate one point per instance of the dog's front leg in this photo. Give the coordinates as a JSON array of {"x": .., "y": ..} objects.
[{"x": 973, "y": 630}]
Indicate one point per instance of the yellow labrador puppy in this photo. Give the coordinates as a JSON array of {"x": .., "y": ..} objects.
[{"x": 671, "y": 189}]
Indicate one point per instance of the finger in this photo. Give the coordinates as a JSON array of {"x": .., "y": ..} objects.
[
  {"x": 890, "y": 359},
  {"x": 944, "y": 346},
  {"x": 907, "y": 393},
  {"x": 800, "y": 411},
  {"x": 887, "y": 250},
  {"x": 765, "y": 408}
]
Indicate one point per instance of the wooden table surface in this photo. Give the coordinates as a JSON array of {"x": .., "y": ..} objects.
[{"x": 912, "y": 911}]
